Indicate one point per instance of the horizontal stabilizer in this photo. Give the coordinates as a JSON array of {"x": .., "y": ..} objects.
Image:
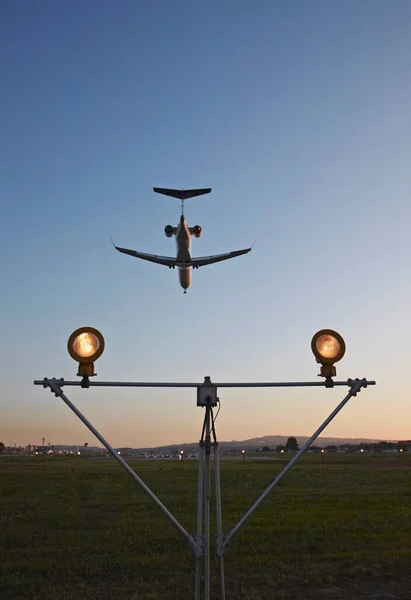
[{"x": 182, "y": 194}]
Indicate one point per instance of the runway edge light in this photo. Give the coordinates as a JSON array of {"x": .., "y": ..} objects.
[
  {"x": 85, "y": 345},
  {"x": 328, "y": 348}
]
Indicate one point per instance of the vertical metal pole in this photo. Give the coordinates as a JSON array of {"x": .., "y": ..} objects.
[
  {"x": 199, "y": 517},
  {"x": 207, "y": 504},
  {"x": 219, "y": 519}
]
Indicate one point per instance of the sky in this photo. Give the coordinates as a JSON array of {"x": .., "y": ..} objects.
[{"x": 297, "y": 115}]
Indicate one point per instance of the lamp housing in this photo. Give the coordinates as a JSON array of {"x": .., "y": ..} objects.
[
  {"x": 86, "y": 345},
  {"x": 328, "y": 347}
]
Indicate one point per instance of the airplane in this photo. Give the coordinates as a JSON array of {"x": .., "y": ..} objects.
[{"x": 183, "y": 261}]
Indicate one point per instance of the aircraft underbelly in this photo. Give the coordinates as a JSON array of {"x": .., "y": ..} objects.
[
  {"x": 183, "y": 243},
  {"x": 183, "y": 255},
  {"x": 185, "y": 277}
]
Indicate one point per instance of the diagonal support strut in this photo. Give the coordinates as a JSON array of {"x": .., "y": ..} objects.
[
  {"x": 355, "y": 387},
  {"x": 193, "y": 541}
]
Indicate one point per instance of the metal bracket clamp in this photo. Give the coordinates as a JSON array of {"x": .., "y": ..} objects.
[
  {"x": 196, "y": 543},
  {"x": 55, "y": 385},
  {"x": 219, "y": 544},
  {"x": 223, "y": 542},
  {"x": 357, "y": 383},
  {"x": 85, "y": 382}
]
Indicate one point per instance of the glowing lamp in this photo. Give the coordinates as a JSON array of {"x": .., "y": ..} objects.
[
  {"x": 85, "y": 345},
  {"x": 328, "y": 348}
]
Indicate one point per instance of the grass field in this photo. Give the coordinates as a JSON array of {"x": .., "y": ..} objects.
[{"x": 336, "y": 531}]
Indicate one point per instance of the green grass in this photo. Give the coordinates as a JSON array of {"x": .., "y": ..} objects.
[{"x": 330, "y": 531}]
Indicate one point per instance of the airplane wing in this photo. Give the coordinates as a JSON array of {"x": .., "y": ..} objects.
[
  {"x": 167, "y": 261},
  {"x": 208, "y": 260}
]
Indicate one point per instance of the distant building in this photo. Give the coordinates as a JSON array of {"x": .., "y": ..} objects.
[
  {"x": 44, "y": 449},
  {"x": 331, "y": 449},
  {"x": 350, "y": 448},
  {"x": 314, "y": 449}
]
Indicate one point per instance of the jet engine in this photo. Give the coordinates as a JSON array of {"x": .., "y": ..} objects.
[
  {"x": 197, "y": 231},
  {"x": 169, "y": 230}
]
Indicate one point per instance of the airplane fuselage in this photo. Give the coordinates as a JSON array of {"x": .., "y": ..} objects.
[{"x": 183, "y": 243}]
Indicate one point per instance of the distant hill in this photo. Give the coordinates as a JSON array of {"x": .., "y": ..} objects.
[
  {"x": 268, "y": 440},
  {"x": 251, "y": 444}
]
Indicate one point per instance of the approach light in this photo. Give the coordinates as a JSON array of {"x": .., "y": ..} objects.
[
  {"x": 328, "y": 348},
  {"x": 85, "y": 345}
]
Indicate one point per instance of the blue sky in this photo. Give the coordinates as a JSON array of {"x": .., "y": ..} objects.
[{"x": 297, "y": 115}]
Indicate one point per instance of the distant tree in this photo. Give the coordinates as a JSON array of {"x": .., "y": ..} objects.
[
  {"x": 279, "y": 448},
  {"x": 266, "y": 449},
  {"x": 292, "y": 444},
  {"x": 1, "y": 447}
]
